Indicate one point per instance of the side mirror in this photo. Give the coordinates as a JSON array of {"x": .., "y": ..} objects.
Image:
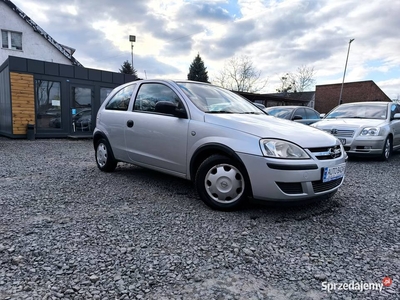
[
  {"x": 297, "y": 117},
  {"x": 322, "y": 116},
  {"x": 396, "y": 116},
  {"x": 169, "y": 108}
]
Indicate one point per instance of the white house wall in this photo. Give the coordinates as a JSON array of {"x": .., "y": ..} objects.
[{"x": 34, "y": 46}]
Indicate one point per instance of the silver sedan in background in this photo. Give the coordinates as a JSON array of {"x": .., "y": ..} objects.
[{"x": 365, "y": 128}]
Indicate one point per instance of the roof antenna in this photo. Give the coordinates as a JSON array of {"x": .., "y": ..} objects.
[{"x": 145, "y": 74}]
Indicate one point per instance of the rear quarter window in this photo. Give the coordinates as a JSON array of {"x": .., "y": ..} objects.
[{"x": 120, "y": 101}]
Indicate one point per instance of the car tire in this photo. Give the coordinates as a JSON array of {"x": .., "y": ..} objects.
[
  {"x": 104, "y": 157},
  {"x": 387, "y": 149},
  {"x": 221, "y": 183}
]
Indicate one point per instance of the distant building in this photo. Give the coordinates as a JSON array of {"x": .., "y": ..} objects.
[
  {"x": 327, "y": 96},
  {"x": 22, "y": 37},
  {"x": 281, "y": 99},
  {"x": 42, "y": 86}
]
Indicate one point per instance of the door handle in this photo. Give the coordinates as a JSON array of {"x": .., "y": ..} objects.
[{"x": 129, "y": 123}]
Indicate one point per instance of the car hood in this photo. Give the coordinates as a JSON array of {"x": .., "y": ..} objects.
[
  {"x": 265, "y": 126},
  {"x": 349, "y": 123}
]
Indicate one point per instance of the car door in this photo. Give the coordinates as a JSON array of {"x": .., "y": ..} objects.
[
  {"x": 155, "y": 139},
  {"x": 395, "y": 124}
]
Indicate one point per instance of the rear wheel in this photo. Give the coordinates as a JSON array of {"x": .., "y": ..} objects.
[
  {"x": 104, "y": 157},
  {"x": 220, "y": 183},
  {"x": 387, "y": 149}
]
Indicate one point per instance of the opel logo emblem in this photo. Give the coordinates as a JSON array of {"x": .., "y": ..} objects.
[
  {"x": 332, "y": 152},
  {"x": 334, "y": 131},
  {"x": 224, "y": 184}
]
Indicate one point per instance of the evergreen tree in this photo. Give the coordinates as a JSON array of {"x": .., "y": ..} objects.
[
  {"x": 197, "y": 71},
  {"x": 127, "y": 68}
]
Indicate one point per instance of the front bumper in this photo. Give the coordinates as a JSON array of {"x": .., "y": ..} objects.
[
  {"x": 284, "y": 181},
  {"x": 371, "y": 145}
]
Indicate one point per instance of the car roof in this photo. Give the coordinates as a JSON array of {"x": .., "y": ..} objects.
[
  {"x": 283, "y": 106},
  {"x": 368, "y": 103},
  {"x": 289, "y": 106}
]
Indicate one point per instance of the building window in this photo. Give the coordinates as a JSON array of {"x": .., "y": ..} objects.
[
  {"x": 11, "y": 40},
  {"x": 48, "y": 104}
]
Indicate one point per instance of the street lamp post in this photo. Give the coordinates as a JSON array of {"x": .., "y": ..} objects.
[
  {"x": 132, "y": 39},
  {"x": 344, "y": 73}
]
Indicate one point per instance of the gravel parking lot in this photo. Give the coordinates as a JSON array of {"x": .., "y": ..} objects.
[{"x": 69, "y": 231}]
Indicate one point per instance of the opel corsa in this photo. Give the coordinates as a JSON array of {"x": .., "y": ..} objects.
[{"x": 228, "y": 147}]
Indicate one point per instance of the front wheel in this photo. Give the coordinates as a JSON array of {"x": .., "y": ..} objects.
[
  {"x": 387, "y": 149},
  {"x": 104, "y": 157},
  {"x": 220, "y": 183}
]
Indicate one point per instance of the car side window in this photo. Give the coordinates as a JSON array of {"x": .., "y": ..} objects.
[
  {"x": 151, "y": 93},
  {"x": 311, "y": 114},
  {"x": 394, "y": 109},
  {"x": 300, "y": 112},
  {"x": 120, "y": 101}
]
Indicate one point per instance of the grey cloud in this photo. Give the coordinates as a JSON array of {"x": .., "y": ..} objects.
[{"x": 206, "y": 11}]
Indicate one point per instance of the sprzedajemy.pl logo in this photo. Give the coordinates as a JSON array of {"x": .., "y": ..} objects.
[{"x": 356, "y": 285}]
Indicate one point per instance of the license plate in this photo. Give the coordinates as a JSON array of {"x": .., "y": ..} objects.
[
  {"x": 343, "y": 141},
  {"x": 332, "y": 173}
]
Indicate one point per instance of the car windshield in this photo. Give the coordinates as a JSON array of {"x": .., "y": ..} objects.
[
  {"x": 280, "y": 112},
  {"x": 359, "y": 112},
  {"x": 213, "y": 99}
]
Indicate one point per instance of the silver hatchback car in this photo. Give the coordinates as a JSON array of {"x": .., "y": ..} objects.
[{"x": 228, "y": 147}]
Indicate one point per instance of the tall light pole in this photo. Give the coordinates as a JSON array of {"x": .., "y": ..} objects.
[
  {"x": 344, "y": 73},
  {"x": 132, "y": 39}
]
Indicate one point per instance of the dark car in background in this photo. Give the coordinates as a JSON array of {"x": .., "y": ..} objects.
[
  {"x": 300, "y": 114},
  {"x": 82, "y": 121}
]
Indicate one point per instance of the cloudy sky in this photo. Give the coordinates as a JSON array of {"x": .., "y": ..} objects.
[{"x": 278, "y": 35}]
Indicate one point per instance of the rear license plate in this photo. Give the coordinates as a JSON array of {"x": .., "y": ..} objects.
[
  {"x": 332, "y": 173},
  {"x": 343, "y": 141}
]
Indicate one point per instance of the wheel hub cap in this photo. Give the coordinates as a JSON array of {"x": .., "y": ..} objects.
[{"x": 224, "y": 183}]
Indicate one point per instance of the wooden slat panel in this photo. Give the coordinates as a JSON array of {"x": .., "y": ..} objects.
[
  {"x": 23, "y": 101},
  {"x": 20, "y": 91}
]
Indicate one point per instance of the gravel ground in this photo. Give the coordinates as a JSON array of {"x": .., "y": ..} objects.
[{"x": 69, "y": 231}]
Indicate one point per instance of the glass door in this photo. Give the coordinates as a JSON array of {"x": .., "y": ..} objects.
[
  {"x": 48, "y": 105},
  {"x": 81, "y": 110}
]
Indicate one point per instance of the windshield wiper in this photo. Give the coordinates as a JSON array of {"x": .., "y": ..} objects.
[
  {"x": 251, "y": 113},
  {"x": 220, "y": 112}
]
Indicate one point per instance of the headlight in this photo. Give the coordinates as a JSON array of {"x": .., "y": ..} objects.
[
  {"x": 370, "y": 131},
  {"x": 282, "y": 149}
]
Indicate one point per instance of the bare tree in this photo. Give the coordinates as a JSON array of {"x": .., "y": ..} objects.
[
  {"x": 239, "y": 74},
  {"x": 304, "y": 78},
  {"x": 287, "y": 84},
  {"x": 297, "y": 82}
]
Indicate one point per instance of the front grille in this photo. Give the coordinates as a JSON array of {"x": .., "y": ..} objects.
[
  {"x": 325, "y": 153},
  {"x": 290, "y": 187},
  {"x": 320, "y": 186},
  {"x": 340, "y": 132}
]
